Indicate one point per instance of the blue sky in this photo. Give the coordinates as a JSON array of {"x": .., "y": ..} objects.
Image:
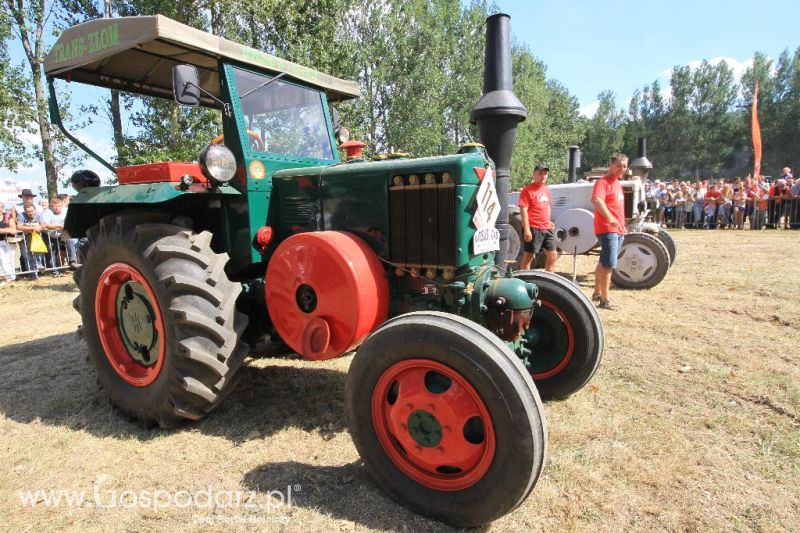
[
  {"x": 591, "y": 46},
  {"x": 621, "y": 45}
]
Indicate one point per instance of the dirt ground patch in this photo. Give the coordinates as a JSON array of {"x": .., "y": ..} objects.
[{"x": 691, "y": 423}]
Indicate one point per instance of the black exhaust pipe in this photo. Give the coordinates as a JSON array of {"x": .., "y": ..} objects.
[
  {"x": 497, "y": 114},
  {"x": 573, "y": 163},
  {"x": 641, "y": 166}
]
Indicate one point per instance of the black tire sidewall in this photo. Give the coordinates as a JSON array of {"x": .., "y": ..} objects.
[
  {"x": 587, "y": 333},
  {"x": 504, "y": 397},
  {"x": 669, "y": 243}
]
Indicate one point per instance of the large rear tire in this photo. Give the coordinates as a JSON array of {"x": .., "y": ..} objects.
[
  {"x": 443, "y": 414},
  {"x": 643, "y": 262},
  {"x": 159, "y": 318},
  {"x": 669, "y": 243},
  {"x": 565, "y": 336}
]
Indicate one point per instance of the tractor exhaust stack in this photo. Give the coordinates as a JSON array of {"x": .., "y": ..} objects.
[
  {"x": 573, "y": 162},
  {"x": 641, "y": 166},
  {"x": 497, "y": 114}
]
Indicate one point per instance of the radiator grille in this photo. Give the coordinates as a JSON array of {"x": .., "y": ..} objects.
[
  {"x": 422, "y": 218},
  {"x": 299, "y": 210}
]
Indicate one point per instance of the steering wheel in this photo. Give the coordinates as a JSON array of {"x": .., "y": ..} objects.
[{"x": 256, "y": 142}]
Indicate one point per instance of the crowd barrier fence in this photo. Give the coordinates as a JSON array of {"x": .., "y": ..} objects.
[
  {"x": 61, "y": 255},
  {"x": 778, "y": 213}
]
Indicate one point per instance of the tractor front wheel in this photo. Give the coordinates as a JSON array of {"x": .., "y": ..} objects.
[
  {"x": 159, "y": 318},
  {"x": 642, "y": 263},
  {"x": 565, "y": 336},
  {"x": 444, "y": 415}
]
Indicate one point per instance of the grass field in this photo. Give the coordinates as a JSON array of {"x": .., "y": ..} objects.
[{"x": 692, "y": 421}]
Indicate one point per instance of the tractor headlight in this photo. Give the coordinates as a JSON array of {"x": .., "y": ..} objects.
[
  {"x": 342, "y": 135},
  {"x": 218, "y": 164}
]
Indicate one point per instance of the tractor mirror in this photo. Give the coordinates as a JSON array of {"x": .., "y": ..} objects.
[{"x": 185, "y": 85}]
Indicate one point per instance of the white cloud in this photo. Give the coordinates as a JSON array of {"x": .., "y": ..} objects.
[
  {"x": 588, "y": 110},
  {"x": 737, "y": 66}
]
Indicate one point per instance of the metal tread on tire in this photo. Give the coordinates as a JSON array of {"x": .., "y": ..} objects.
[
  {"x": 643, "y": 262},
  {"x": 185, "y": 301}
]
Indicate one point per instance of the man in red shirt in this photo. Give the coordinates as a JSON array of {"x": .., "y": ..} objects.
[
  {"x": 713, "y": 199},
  {"x": 609, "y": 225},
  {"x": 780, "y": 196},
  {"x": 534, "y": 206}
]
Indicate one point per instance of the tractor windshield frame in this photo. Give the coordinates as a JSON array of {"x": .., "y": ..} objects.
[{"x": 281, "y": 120}]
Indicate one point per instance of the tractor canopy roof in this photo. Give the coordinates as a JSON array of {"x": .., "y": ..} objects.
[{"x": 136, "y": 54}]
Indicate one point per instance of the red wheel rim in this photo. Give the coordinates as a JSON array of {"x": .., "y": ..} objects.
[
  {"x": 137, "y": 364},
  {"x": 570, "y": 350},
  {"x": 433, "y": 425}
]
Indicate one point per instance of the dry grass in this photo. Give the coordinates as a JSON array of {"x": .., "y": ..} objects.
[{"x": 691, "y": 422}]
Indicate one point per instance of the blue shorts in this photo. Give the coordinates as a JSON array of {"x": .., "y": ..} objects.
[{"x": 610, "y": 244}]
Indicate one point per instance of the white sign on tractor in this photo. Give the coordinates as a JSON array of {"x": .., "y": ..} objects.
[{"x": 487, "y": 238}]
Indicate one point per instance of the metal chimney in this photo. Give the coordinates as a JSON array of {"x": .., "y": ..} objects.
[
  {"x": 573, "y": 162},
  {"x": 641, "y": 166},
  {"x": 497, "y": 114}
]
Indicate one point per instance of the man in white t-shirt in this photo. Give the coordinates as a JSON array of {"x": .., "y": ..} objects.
[{"x": 52, "y": 220}]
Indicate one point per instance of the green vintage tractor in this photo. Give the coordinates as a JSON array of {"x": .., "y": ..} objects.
[{"x": 272, "y": 238}]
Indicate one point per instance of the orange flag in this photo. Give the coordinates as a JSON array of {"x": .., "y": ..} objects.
[{"x": 756, "y": 133}]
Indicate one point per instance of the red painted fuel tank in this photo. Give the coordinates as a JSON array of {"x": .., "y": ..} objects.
[{"x": 326, "y": 291}]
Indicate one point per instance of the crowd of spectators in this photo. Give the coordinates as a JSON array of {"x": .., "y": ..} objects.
[
  {"x": 30, "y": 238},
  {"x": 752, "y": 203}
]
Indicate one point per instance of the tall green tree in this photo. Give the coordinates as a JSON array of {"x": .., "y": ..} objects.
[
  {"x": 778, "y": 108},
  {"x": 160, "y": 129},
  {"x": 419, "y": 65},
  {"x": 79, "y": 11},
  {"x": 604, "y": 132},
  {"x": 28, "y": 22},
  {"x": 712, "y": 101},
  {"x": 16, "y": 117}
]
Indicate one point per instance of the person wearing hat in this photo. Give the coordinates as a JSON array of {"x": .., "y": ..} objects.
[
  {"x": 27, "y": 197},
  {"x": 534, "y": 207},
  {"x": 29, "y": 221}
]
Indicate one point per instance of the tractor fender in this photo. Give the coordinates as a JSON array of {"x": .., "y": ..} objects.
[{"x": 93, "y": 203}]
